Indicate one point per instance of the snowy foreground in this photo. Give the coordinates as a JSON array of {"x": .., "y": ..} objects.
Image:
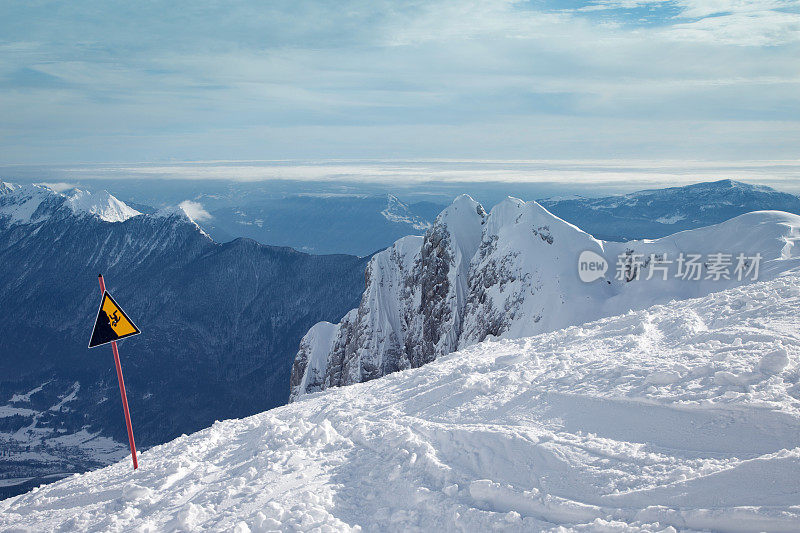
[{"x": 684, "y": 415}]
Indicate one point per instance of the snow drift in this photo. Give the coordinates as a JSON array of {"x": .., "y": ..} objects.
[
  {"x": 513, "y": 273},
  {"x": 685, "y": 415}
]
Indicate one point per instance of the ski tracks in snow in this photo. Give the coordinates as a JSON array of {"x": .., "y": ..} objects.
[{"x": 685, "y": 415}]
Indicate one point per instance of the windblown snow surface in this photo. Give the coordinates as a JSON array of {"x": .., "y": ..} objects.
[{"x": 682, "y": 415}]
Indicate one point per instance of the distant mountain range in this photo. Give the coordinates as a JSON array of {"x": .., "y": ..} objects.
[
  {"x": 325, "y": 223},
  {"x": 362, "y": 218},
  {"x": 513, "y": 273},
  {"x": 361, "y": 224},
  {"x": 220, "y": 322},
  {"x": 656, "y": 213}
]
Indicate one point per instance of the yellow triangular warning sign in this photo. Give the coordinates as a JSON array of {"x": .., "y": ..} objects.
[{"x": 112, "y": 323}]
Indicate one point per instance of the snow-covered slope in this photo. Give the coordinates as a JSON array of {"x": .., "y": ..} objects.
[
  {"x": 514, "y": 273},
  {"x": 685, "y": 415}
]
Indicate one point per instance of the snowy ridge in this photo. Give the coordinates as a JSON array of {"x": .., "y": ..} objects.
[
  {"x": 685, "y": 415},
  {"x": 29, "y": 204},
  {"x": 514, "y": 273},
  {"x": 20, "y": 204}
]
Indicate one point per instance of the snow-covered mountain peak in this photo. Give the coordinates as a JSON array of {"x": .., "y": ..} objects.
[
  {"x": 505, "y": 213},
  {"x": 462, "y": 220},
  {"x": 397, "y": 211},
  {"x": 521, "y": 224},
  {"x": 536, "y": 213},
  {"x": 509, "y": 202},
  {"x": 462, "y": 212},
  {"x": 177, "y": 214},
  {"x": 463, "y": 207},
  {"x": 515, "y": 273},
  {"x": 24, "y": 204},
  {"x": 172, "y": 211},
  {"x": 100, "y": 204},
  {"x": 463, "y": 198}
]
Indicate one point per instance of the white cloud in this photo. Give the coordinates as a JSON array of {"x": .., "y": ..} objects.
[
  {"x": 641, "y": 173},
  {"x": 195, "y": 210},
  {"x": 58, "y": 186},
  {"x": 380, "y": 78},
  {"x": 742, "y": 28},
  {"x": 732, "y": 22}
]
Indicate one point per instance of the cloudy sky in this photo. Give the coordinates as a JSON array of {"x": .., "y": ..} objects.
[{"x": 543, "y": 79}]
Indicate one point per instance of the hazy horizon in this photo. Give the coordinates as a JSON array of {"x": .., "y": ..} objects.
[{"x": 587, "y": 177}]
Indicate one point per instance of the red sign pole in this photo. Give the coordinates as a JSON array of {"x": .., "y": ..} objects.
[{"x": 122, "y": 389}]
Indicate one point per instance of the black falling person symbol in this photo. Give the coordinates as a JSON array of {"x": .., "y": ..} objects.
[{"x": 103, "y": 332}]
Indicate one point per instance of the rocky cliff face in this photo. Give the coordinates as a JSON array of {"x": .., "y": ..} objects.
[
  {"x": 410, "y": 312},
  {"x": 510, "y": 274}
]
